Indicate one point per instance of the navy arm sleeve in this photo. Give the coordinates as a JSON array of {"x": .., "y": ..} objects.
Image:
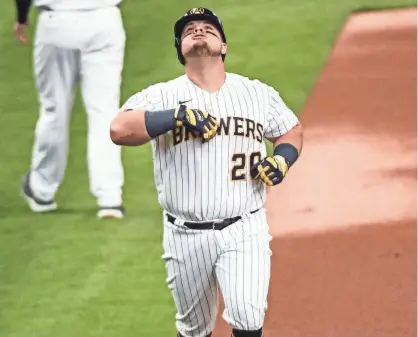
[{"x": 23, "y": 7}]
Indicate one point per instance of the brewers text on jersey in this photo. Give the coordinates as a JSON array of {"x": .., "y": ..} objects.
[{"x": 211, "y": 181}]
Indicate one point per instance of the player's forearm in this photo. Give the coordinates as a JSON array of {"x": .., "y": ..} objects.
[
  {"x": 294, "y": 137},
  {"x": 138, "y": 127},
  {"x": 290, "y": 144},
  {"x": 22, "y": 7}
]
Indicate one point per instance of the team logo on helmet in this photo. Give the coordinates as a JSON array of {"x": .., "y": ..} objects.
[{"x": 197, "y": 11}]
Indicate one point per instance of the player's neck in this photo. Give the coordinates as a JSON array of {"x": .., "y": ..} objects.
[{"x": 206, "y": 75}]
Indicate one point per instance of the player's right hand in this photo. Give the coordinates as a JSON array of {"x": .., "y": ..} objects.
[
  {"x": 20, "y": 32},
  {"x": 197, "y": 121}
]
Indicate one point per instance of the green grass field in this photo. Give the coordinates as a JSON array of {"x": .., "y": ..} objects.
[{"x": 67, "y": 274}]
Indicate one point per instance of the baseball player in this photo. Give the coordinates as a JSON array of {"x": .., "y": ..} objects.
[
  {"x": 76, "y": 41},
  {"x": 207, "y": 129}
]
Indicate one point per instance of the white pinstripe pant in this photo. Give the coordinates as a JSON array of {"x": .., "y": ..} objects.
[{"x": 236, "y": 259}]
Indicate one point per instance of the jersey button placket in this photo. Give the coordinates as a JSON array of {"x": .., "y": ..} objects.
[{"x": 208, "y": 104}]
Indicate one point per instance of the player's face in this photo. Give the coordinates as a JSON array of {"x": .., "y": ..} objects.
[{"x": 201, "y": 38}]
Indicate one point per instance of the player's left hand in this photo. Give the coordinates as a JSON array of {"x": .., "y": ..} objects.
[{"x": 271, "y": 170}]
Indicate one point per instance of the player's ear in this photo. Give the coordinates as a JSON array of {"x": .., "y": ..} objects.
[{"x": 224, "y": 48}]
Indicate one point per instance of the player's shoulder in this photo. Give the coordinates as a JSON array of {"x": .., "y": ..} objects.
[
  {"x": 153, "y": 95},
  {"x": 173, "y": 85},
  {"x": 247, "y": 81},
  {"x": 160, "y": 88},
  {"x": 163, "y": 86}
]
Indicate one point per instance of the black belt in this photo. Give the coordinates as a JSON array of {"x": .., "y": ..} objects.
[{"x": 217, "y": 225}]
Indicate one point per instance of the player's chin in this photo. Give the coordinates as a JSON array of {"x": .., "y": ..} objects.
[
  {"x": 203, "y": 51},
  {"x": 197, "y": 51},
  {"x": 200, "y": 46}
]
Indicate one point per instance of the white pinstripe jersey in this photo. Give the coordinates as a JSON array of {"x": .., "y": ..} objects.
[{"x": 211, "y": 181}]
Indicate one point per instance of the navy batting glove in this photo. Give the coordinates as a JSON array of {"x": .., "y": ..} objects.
[
  {"x": 197, "y": 121},
  {"x": 270, "y": 170}
]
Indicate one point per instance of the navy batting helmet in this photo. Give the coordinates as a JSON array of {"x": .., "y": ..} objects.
[{"x": 191, "y": 15}]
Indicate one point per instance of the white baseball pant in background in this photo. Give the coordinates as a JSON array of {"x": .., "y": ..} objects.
[{"x": 71, "y": 47}]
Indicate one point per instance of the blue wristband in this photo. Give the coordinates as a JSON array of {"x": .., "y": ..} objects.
[
  {"x": 159, "y": 122},
  {"x": 288, "y": 152}
]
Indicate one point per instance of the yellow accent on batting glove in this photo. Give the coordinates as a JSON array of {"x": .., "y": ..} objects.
[
  {"x": 270, "y": 170},
  {"x": 197, "y": 121}
]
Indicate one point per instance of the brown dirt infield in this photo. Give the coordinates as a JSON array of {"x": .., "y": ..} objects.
[{"x": 344, "y": 220}]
